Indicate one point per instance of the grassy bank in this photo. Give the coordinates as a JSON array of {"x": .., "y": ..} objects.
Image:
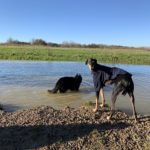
[{"x": 105, "y": 55}]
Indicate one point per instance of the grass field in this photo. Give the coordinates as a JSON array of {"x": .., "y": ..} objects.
[{"x": 105, "y": 55}]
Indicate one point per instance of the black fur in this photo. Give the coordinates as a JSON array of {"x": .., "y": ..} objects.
[{"x": 67, "y": 83}]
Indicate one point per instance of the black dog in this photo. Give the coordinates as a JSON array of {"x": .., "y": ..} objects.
[
  {"x": 67, "y": 83},
  {"x": 121, "y": 79}
]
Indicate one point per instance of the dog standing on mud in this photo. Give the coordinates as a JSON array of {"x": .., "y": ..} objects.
[
  {"x": 121, "y": 79},
  {"x": 67, "y": 83}
]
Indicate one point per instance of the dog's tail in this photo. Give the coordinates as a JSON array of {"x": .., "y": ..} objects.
[{"x": 53, "y": 90}]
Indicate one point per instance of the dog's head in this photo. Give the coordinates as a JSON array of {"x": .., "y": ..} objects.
[
  {"x": 78, "y": 78},
  {"x": 91, "y": 62}
]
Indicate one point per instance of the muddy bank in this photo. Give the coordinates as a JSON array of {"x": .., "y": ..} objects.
[{"x": 72, "y": 129}]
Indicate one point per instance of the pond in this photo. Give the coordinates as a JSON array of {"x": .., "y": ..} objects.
[{"x": 24, "y": 84}]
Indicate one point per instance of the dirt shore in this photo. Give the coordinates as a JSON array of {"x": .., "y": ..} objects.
[{"x": 45, "y": 128}]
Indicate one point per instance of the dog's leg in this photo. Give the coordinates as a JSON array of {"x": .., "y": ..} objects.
[
  {"x": 113, "y": 100},
  {"x": 114, "y": 96},
  {"x": 102, "y": 98},
  {"x": 132, "y": 99},
  {"x": 96, "y": 104}
]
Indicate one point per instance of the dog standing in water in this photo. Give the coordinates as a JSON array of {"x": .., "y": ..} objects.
[
  {"x": 121, "y": 79},
  {"x": 67, "y": 83}
]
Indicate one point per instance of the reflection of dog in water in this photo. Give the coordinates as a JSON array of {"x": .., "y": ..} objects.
[{"x": 67, "y": 83}]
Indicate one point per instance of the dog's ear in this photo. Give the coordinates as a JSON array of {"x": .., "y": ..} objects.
[
  {"x": 79, "y": 76},
  {"x": 94, "y": 61},
  {"x": 76, "y": 75},
  {"x": 86, "y": 62}
]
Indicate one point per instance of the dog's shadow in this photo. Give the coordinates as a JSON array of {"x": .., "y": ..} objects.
[{"x": 29, "y": 137}]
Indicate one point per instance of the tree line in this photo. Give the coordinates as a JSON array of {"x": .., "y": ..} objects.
[{"x": 42, "y": 42}]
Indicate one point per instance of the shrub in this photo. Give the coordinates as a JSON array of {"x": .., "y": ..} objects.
[
  {"x": 38, "y": 42},
  {"x": 16, "y": 42}
]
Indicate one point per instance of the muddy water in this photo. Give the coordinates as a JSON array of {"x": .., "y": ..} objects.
[{"x": 24, "y": 84}]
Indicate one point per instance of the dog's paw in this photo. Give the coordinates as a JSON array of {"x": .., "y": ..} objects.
[
  {"x": 102, "y": 105},
  {"x": 108, "y": 117},
  {"x": 95, "y": 110}
]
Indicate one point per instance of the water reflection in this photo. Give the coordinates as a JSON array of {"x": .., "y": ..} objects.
[{"x": 24, "y": 84}]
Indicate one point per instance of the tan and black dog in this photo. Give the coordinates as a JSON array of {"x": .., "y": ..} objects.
[{"x": 121, "y": 79}]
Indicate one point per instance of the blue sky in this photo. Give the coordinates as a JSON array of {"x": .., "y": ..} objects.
[{"x": 112, "y": 22}]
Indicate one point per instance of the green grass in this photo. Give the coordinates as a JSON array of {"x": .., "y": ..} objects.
[{"x": 105, "y": 55}]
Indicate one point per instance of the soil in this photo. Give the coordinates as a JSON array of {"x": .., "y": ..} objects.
[{"x": 44, "y": 128}]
